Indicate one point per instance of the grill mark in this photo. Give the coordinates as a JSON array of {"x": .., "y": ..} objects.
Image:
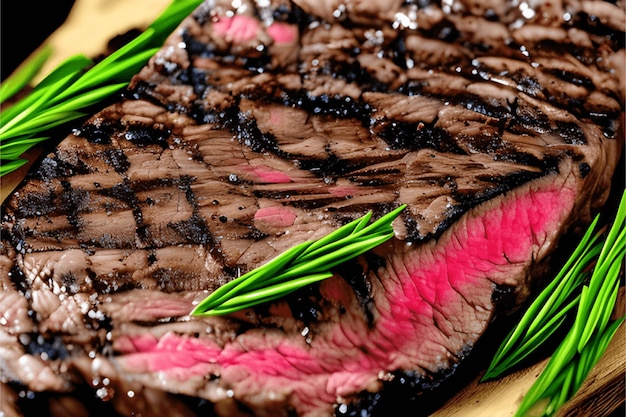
[
  {"x": 117, "y": 159},
  {"x": 195, "y": 229},
  {"x": 36, "y": 204},
  {"x": 247, "y": 132},
  {"x": 331, "y": 166},
  {"x": 73, "y": 200},
  {"x": 125, "y": 193}
]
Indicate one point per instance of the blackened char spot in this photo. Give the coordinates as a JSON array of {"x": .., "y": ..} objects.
[
  {"x": 584, "y": 169},
  {"x": 501, "y": 184},
  {"x": 416, "y": 136},
  {"x": 184, "y": 183},
  {"x": 74, "y": 201},
  {"x": 342, "y": 107},
  {"x": 142, "y": 135},
  {"x": 98, "y": 132},
  {"x": 304, "y": 304},
  {"x": 478, "y": 105},
  {"x": 194, "y": 230},
  {"x": 196, "y": 78},
  {"x": 18, "y": 279},
  {"x": 292, "y": 14},
  {"x": 526, "y": 83},
  {"x": 504, "y": 297},
  {"x": 36, "y": 204},
  {"x": 571, "y": 133},
  {"x": 609, "y": 122},
  {"x": 353, "y": 72},
  {"x": 398, "y": 52},
  {"x": 117, "y": 159},
  {"x": 445, "y": 30},
  {"x": 329, "y": 167},
  {"x": 54, "y": 167},
  {"x": 248, "y": 133},
  {"x": 526, "y": 117},
  {"x": 196, "y": 48},
  {"x": 413, "y": 88}
]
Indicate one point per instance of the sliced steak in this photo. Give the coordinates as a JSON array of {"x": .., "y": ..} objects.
[{"x": 258, "y": 127}]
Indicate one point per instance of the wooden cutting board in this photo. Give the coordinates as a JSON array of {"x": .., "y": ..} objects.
[{"x": 92, "y": 23}]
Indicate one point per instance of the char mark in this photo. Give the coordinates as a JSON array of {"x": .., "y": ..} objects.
[{"x": 416, "y": 136}]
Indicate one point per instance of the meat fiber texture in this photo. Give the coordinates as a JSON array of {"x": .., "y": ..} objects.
[{"x": 260, "y": 125}]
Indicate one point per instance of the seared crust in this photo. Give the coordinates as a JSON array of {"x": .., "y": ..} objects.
[{"x": 257, "y": 128}]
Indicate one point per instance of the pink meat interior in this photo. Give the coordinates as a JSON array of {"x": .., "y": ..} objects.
[{"x": 444, "y": 282}]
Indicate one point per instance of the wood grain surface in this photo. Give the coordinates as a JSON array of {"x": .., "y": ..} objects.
[{"x": 91, "y": 23}]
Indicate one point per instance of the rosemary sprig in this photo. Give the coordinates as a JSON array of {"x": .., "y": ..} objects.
[
  {"x": 299, "y": 266},
  {"x": 76, "y": 85},
  {"x": 593, "y": 296}
]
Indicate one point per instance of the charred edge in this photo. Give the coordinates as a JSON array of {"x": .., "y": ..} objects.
[
  {"x": 504, "y": 297},
  {"x": 465, "y": 202},
  {"x": 501, "y": 184},
  {"x": 416, "y": 136},
  {"x": 407, "y": 392}
]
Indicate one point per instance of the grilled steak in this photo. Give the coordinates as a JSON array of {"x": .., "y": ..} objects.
[{"x": 260, "y": 125}]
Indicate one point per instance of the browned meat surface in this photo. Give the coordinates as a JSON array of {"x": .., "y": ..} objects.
[{"x": 260, "y": 125}]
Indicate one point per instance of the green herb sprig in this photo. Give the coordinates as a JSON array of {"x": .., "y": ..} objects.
[
  {"x": 592, "y": 296},
  {"x": 299, "y": 266},
  {"x": 74, "y": 86}
]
